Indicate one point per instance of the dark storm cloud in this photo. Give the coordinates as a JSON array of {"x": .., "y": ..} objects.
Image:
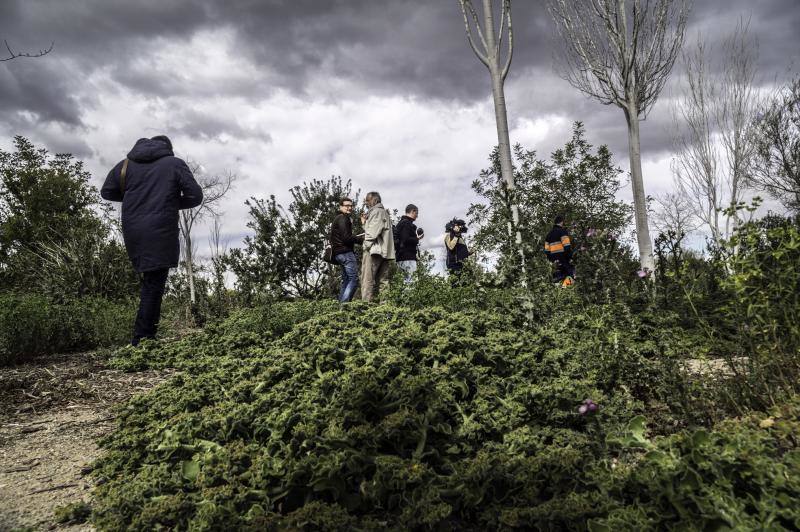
[
  {"x": 414, "y": 48},
  {"x": 37, "y": 86}
]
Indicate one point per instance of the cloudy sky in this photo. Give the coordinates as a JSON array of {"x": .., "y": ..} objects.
[{"x": 384, "y": 92}]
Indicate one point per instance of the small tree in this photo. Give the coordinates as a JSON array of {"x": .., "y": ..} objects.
[
  {"x": 714, "y": 133},
  {"x": 577, "y": 182},
  {"x": 55, "y": 236},
  {"x": 284, "y": 256},
  {"x": 621, "y": 53},
  {"x": 214, "y": 187},
  {"x": 777, "y": 162}
]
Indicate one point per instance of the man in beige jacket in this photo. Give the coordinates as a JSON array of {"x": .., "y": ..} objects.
[{"x": 378, "y": 258}]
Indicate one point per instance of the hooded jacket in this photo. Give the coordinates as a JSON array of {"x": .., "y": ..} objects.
[
  {"x": 157, "y": 185},
  {"x": 378, "y": 237}
]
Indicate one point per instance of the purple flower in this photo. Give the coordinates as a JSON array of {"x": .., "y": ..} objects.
[
  {"x": 583, "y": 409},
  {"x": 642, "y": 274},
  {"x": 592, "y": 407},
  {"x": 591, "y": 232}
]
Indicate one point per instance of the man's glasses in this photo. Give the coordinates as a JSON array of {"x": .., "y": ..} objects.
[{"x": 347, "y": 205}]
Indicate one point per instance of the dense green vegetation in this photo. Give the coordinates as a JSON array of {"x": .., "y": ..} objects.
[
  {"x": 32, "y": 325},
  {"x": 308, "y": 415}
]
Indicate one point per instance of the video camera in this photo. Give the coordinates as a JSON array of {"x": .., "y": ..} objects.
[{"x": 456, "y": 222}]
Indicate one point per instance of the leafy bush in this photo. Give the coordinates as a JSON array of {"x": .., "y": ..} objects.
[
  {"x": 744, "y": 475},
  {"x": 32, "y": 325},
  {"x": 320, "y": 417},
  {"x": 764, "y": 309}
]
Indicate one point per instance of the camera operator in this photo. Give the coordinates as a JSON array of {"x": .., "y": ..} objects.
[
  {"x": 457, "y": 251},
  {"x": 407, "y": 237}
]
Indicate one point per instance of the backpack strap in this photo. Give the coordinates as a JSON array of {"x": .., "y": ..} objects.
[{"x": 122, "y": 176}]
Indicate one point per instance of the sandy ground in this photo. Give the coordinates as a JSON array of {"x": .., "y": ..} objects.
[{"x": 52, "y": 412}]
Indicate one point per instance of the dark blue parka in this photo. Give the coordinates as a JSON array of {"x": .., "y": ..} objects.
[{"x": 157, "y": 185}]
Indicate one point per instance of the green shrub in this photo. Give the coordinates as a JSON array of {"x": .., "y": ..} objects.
[
  {"x": 32, "y": 325},
  {"x": 744, "y": 475},
  {"x": 320, "y": 417},
  {"x": 764, "y": 310}
]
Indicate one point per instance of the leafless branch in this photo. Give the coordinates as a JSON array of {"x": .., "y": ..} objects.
[
  {"x": 466, "y": 5},
  {"x": 13, "y": 55}
]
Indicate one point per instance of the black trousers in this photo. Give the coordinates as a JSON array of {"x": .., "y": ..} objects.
[{"x": 152, "y": 290}]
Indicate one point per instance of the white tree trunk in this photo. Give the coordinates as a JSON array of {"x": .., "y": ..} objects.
[
  {"x": 187, "y": 257},
  {"x": 501, "y": 121},
  {"x": 639, "y": 199}
]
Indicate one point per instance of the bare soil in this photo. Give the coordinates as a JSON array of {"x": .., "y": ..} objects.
[{"x": 52, "y": 412}]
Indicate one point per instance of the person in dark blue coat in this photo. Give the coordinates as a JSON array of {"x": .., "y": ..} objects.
[{"x": 153, "y": 185}]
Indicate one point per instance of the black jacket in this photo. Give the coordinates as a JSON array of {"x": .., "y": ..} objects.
[
  {"x": 406, "y": 241},
  {"x": 157, "y": 185},
  {"x": 342, "y": 238},
  {"x": 558, "y": 244},
  {"x": 457, "y": 251}
]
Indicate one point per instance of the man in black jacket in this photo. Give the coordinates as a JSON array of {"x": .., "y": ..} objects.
[
  {"x": 342, "y": 243},
  {"x": 407, "y": 237},
  {"x": 558, "y": 248},
  {"x": 153, "y": 185}
]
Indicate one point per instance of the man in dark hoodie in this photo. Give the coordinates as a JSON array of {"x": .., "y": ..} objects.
[
  {"x": 153, "y": 185},
  {"x": 407, "y": 236}
]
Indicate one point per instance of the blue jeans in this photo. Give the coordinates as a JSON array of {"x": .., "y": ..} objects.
[
  {"x": 349, "y": 265},
  {"x": 408, "y": 268}
]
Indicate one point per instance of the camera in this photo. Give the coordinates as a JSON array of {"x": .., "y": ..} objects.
[{"x": 456, "y": 222}]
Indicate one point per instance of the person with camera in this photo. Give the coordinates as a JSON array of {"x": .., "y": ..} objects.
[
  {"x": 379, "y": 253},
  {"x": 457, "y": 251},
  {"x": 342, "y": 243},
  {"x": 153, "y": 185},
  {"x": 406, "y": 241},
  {"x": 558, "y": 248}
]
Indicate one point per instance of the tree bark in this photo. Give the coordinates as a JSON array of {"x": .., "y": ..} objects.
[
  {"x": 188, "y": 258},
  {"x": 637, "y": 184},
  {"x": 501, "y": 121}
]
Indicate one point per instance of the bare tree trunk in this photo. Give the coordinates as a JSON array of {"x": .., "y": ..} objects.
[
  {"x": 188, "y": 255},
  {"x": 490, "y": 56},
  {"x": 639, "y": 200}
]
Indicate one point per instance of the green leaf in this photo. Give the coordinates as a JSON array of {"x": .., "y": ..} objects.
[{"x": 190, "y": 469}]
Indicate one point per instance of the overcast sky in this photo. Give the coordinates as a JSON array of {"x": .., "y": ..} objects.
[{"x": 384, "y": 92}]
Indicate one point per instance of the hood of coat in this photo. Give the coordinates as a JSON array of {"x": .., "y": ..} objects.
[{"x": 148, "y": 150}]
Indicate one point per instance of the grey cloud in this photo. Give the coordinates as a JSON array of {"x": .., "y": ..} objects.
[
  {"x": 206, "y": 126},
  {"x": 34, "y": 85}
]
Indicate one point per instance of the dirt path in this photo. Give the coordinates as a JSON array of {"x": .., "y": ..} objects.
[{"x": 52, "y": 412}]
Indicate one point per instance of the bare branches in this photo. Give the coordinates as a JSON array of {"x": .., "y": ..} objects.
[
  {"x": 714, "y": 132},
  {"x": 615, "y": 57},
  {"x": 777, "y": 163},
  {"x": 466, "y": 5},
  {"x": 489, "y": 48},
  {"x": 13, "y": 55},
  {"x": 507, "y": 65}
]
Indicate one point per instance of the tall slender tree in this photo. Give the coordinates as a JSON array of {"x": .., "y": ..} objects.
[
  {"x": 488, "y": 46},
  {"x": 620, "y": 53}
]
